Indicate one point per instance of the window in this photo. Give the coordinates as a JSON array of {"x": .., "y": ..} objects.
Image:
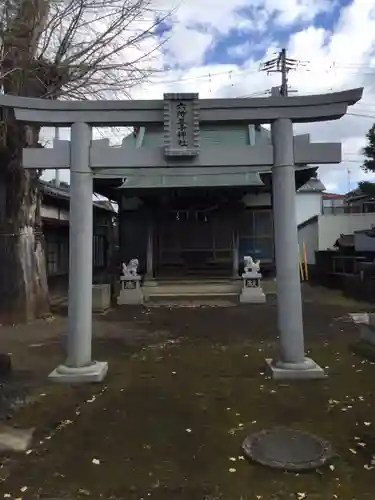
[
  {"x": 57, "y": 254},
  {"x": 256, "y": 235},
  {"x": 52, "y": 257},
  {"x": 369, "y": 207}
]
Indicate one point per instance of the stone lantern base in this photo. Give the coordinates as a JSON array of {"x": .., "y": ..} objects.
[
  {"x": 130, "y": 292},
  {"x": 251, "y": 291}
]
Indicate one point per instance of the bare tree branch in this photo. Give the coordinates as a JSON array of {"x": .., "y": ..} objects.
[
  {"x": 82, "y": 49},
  {"x": 65, "y": 48}
]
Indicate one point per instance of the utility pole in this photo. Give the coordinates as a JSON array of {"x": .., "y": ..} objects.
[
  {"x": 281, "y": 64},
  {"x": 284, "y": 73}
]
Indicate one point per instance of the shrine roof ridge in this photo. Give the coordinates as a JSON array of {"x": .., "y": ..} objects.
[{"x": 128, "y": 112}]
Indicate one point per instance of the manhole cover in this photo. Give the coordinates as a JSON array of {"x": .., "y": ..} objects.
[{"x": 287, "y": 449}]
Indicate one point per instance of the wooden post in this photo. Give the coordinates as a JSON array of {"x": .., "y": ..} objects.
[
  {"x": 236, "y": 257},
  {"x": 150, "y": 251},
  {"x": 305, "y": 260}
]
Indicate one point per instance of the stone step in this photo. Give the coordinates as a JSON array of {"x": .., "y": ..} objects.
[
  {"x": 192, "y": 294},
  {"x": 192, "y": 282},
  {"x": 193, "y": 299},
  {"x": 189, "y": 293},
  {"x": 193, "y": 290}
]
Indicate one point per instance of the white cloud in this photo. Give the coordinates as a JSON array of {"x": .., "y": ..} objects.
[
  {"x": 337, "y": 60},
  {"x": 187, "y": 46},
  {"x": 222, "y": 15},
  {"x": 291, "y": 11},
  {"x": 241, "y": 50},
  {"x": 245, "y": 50},
  {"x": 217, "y": 15}
]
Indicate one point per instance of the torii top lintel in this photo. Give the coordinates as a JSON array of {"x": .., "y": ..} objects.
[{"x": 300, "y": 109}]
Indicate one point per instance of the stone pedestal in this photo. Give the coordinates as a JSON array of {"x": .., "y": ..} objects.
[
  {"x": 251, "y": 291},
  {"x": 367, "y": 329},
  {"x": 307, "y": 369},
  {"x": 95, "y": 371},
  {"x": 101, "y": 298},
  {"x": 130, "y": 292}
]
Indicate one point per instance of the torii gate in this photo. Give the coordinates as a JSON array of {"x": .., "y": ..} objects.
[{"x": 181, "y": 115}]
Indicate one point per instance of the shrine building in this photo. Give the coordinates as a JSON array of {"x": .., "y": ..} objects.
[{"x": 190, "y": 224}]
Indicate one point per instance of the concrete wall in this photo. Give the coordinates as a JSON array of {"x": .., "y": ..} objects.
[
  {"x": 310, "y": 235},
  {"x": 308, "y": 205},
  {"x": 322, "y": 232},
  {"x": 331, "y": 226}
]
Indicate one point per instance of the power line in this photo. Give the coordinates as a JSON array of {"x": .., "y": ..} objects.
[
  {"x": 360, "y": 115},
  {"x": 281, "y": 64},
  {"x": 299, "y": 65},
  {"x": 206, "y": 76}
]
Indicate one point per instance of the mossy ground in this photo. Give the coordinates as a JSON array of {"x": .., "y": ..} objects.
[{"x": 185, "y": 387}]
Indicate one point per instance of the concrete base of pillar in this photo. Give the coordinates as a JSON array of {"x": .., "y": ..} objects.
[
  {"x": 308, "y": 370},
  {"x": 367, "y": 333},
  {"x": 95, "y": 372}
]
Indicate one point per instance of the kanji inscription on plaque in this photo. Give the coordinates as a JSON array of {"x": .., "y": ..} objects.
[
  {"x": 252, "y": 283},
  {"x": 130, "y": 285},
  {"x": 181, "y": 125}
]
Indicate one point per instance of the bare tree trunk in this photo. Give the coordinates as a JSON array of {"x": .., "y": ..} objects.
[{"x": 23, "y": 281}]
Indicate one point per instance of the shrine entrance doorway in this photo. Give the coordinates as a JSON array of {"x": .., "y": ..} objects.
[{"x": 194, "y": 241}]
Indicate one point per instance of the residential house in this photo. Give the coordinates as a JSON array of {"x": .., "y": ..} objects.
[
  {"x": 55, "y": 219},
  {"x": 341, "y": 218},
  {"x": 334, "y": 203},
  {"x": 309, "y": 199},
  {"x": 359, "y": 202}
]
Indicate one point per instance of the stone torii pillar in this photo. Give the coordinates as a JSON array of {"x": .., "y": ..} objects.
[
  {"x": 292, "y": 363},
  {"x": 79, "y": 366}
]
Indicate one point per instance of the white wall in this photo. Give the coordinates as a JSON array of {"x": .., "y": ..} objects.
[
  {"x": 49, "y": 212},
  {"x": 310, "y": 235},
  {"x": 331, "y": 226},
  {"x": 308, "y": 205}
]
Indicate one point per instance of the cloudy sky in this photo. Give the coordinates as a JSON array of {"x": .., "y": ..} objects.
[{"x": 216, "y": 47}]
